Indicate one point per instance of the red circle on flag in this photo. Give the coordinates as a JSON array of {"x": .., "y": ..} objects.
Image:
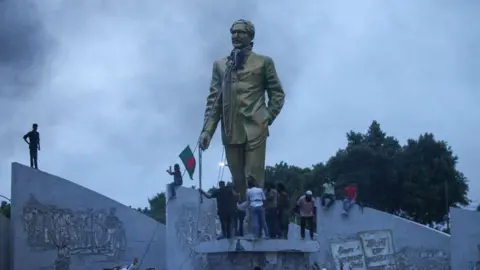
[{"x": 190, "y": 162}]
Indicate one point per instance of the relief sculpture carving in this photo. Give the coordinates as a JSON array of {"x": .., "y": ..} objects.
[
  {"x": 189, "y": 233},
  {"x": 84, "y": 232}
]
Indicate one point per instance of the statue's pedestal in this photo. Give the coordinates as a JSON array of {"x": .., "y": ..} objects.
[
  {"x": 191, "y": 243},
  {"x": 245, "y": 253}
]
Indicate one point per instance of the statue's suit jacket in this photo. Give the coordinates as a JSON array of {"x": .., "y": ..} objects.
[{"x": 252, "y": 115}]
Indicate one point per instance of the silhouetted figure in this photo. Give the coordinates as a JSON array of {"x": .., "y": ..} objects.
[
  {"x": 225, "y": 209},
  {"x": 239, "y": 221},
  {"x": 271, "y": 210},
  {"x": 283, "y": 205},
  {"x": 177, "y": 180},
  {"x": 33, "y": 144},
  {"x": 238, "y": 215}
]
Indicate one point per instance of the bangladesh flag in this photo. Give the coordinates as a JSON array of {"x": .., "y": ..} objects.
[{"x": 188, "y": 160}]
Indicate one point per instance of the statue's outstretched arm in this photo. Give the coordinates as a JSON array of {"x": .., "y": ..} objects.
[
  {"x": 276, "y": 95},
  {"x": 213, "y": 111}
]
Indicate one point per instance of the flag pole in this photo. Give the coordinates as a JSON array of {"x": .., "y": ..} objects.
[{"x": 200, "y": 172}]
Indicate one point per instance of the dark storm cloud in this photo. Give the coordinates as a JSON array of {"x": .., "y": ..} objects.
[
  {"x": 123, "y": 89},
  {"x": 24, "y": 47}
]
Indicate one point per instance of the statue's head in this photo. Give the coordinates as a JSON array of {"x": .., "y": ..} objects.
[
  {"x": 243, "y": 33},
  {"x": 35, "y": 126},
  {"x": 221, "y": 184}
]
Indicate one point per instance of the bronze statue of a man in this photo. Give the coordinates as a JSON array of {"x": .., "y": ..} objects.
[{"x": 237, "y": 97}]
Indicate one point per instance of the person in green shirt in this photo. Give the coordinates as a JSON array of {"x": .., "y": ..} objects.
[{"x": 328, "y": 193}]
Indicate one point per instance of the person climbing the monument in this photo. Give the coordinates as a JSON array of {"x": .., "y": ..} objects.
[
  {"x": 133, "y": 266},
  {"x": 328, "y": 193},
  {"x": 271, "y": 210},
  {"x": 33, "y": 142},
  {"x": 350, "y": 193},
  {"x": 255, "y": 200},
  {"x": 225, "y": 211},
  {"x": 307, "y": 210},
  {"x": 177, "y": 180},
  {"x": 237, "y": 217},
  {"x": 239, "y": 220},
  {"x": 283, "y": 205},
  {"x": 240, "y": 212}
]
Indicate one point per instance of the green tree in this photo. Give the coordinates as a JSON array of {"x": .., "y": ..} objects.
[
  {"x": 430, "y": 182},
  {"x": 156, "y": 209},
  {"x": 418, "y": 180},
  {"x": 5, "y": 209},
  {"x": 369, "y": 161}
]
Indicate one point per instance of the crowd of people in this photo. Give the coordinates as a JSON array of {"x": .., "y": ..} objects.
[{"x": 268, "y": 209}]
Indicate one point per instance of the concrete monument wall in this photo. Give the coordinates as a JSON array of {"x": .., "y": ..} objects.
[
  {"x": 58, "y": 224},
  {"x": 371, "y": 239},
  {"x": 465, "y": 240},
  {"x": 4, "y": 243},
  {"x": 188, "y": 224}
]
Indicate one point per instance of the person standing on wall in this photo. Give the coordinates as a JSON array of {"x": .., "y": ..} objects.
[
  {"x": 33, "y": 144},
  {"x": 177, "y": 180},
  {"x": 225, "y": 212},
  {"x": 307, "y": 210},
  {"x": 283, "y": 205},
  {"x": 255, "y": 200},
  {"x": 271, "y": 210}
]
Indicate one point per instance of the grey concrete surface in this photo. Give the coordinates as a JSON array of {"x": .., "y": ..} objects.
[
  {"x": 249, "y": 260},
  {"x": 192, "y": 225},
  {"x": 4, "y": 243},
  {"x": 368, "y": 238},
  {"x": 58, "y": 224},
  {"x": 465, "y": 239},
  {"x": 248, "y": 245},
  {"x": 189, "y": 223}
]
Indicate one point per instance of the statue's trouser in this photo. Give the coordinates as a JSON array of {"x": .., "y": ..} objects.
[{"x": 245, "y": 160}]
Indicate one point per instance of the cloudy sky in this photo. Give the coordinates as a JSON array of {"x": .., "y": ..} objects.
[{"x": 118, "y": 88}]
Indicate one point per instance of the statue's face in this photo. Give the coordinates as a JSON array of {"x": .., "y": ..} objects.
[{"x": 240, "y": 36}]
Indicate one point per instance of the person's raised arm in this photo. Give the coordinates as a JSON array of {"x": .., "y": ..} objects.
[{"x": 206, "y": 195}]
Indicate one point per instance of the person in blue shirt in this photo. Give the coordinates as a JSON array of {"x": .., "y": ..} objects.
[{"x": 177, "y": 180}]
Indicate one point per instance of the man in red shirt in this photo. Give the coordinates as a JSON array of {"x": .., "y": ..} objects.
[{"x": 350, "y": 197}]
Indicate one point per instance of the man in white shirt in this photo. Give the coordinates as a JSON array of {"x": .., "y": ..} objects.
[{"x": 256, "y": 198}]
